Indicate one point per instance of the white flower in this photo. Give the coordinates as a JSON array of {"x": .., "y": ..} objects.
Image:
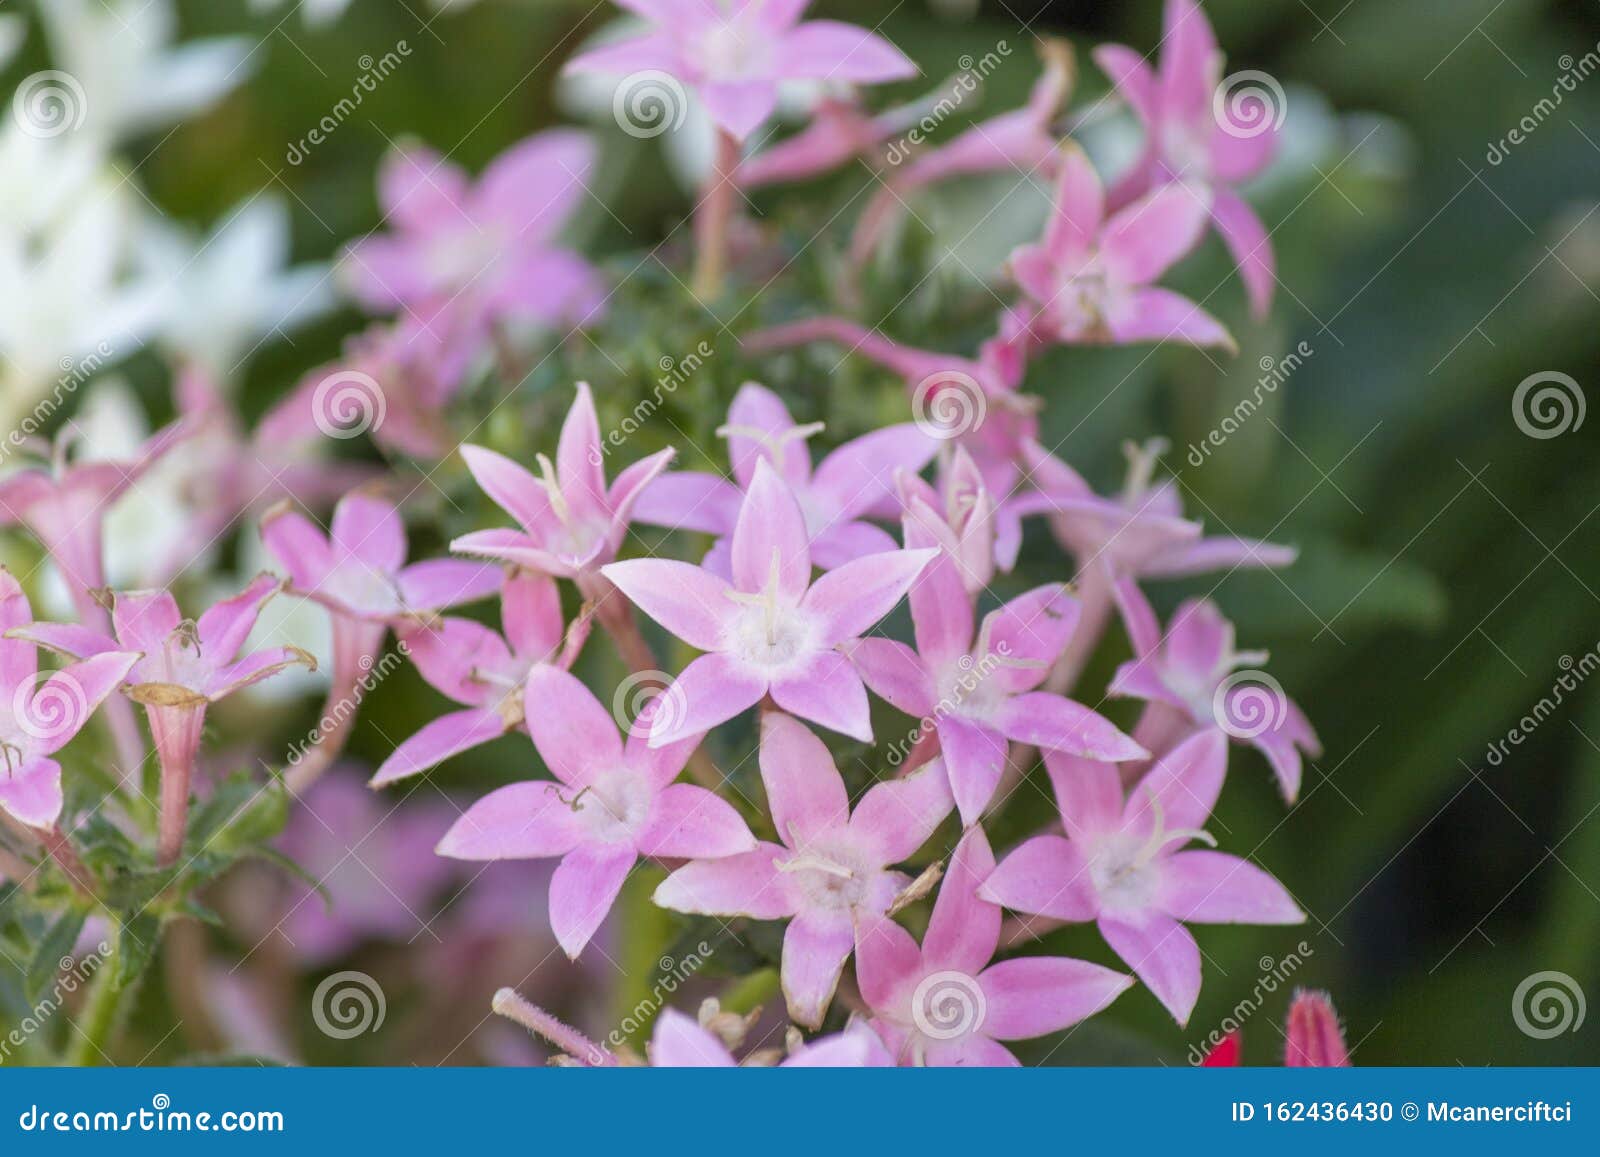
[
  {"x": 66, "y": 305},
  {"x": 222, "y": 294},
  {"x": 43, "y": 177},
  {"x": 119, "y": 52}
]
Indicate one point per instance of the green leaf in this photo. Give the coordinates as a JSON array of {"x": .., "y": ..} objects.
[
  {"x": 136, "y": 947},
  {"x": 56, "y": 946}
]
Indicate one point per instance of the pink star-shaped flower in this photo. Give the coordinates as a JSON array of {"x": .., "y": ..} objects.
[
  {"x": 944, "y": 1004},
  {"x": 770, "y": 630},
  {"x": 849, "y": 483},
  {"x": 39, "y": 714},
  {"x": 1090, "y": 278},
  {"x": 979, "y": 693},
  {"x": 482, "y": 670},
  {"x": 734, "y": 53},
  {"x": 570, "y": 524},
  {"x": 609, "y": 804},
  {"x": 1123, "y": 864},
  {"x": 1199, "y": 133},
  {"x": 830, "y": 877},
  {"x": 185, "y": 665},
  {"x": 1193, "y": 678},
  {"x": 487, "y": 249}
]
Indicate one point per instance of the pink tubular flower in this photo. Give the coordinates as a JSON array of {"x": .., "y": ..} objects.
[
  {"x": 830, "y": 877},
  {"x": 944, "y": 1004},
  {"x": 1194, "y": 679},
  {"x": 847, "y": 484},
  {"x": 1090, "y": 278},
  {"x": 681, "y": 1042},
  {"x": 40, "y": 713},
  {"x": 185, "y": 666},
  {"x": 1196, "y": 132},
  {"x": 771, "y": 629},
  {"x": 64, "y": 506},
  {"x": 734, "y": 53},
  {"x": 1139, "y": 533},
  {"x": 488, "y": 248},
  {"x": 358, "y": 572},
  {"x": 609, "y": 804},
  {"x": 839, "y": 130},
  {"x": 977, "y": 694},
  {"x": 570, "y": 524},
  {"x": 481, "y": 670},
  {"x": 962, "y": 519},
  {"x": 1314, "y": 1037},
  {"x": 1018, "y": 141},
  {"x": 1122, "y": 864}
]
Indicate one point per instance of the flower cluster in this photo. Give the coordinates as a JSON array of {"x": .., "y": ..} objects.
[{"x": 791, "y": 617}]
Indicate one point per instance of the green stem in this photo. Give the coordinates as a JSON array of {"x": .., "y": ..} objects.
[{"x": 98, "y": 1021}]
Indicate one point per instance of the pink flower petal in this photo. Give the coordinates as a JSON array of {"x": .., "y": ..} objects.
[
  {"x": 1054, "y": 721},
  {"x": 446, "y": 582},
  {"x": 688, "y": 821},
  {"x": 827, "y": 691},
  {"x": 144, "y": 619},
  {"x": 513, "y": 489},
  {"x": 975, "y": 758},
  {"x": 575, "y": 736},
  {"x": 1148, "y": 237},
  {"x": 1030, "y": 632},
  {"x": 61, "y": 706},
  {"x": 1088, "y": 793},
  {"x": 757, "y": 424},
  {"x": 710, "y": 690},
  {"x": 739, "y": 107},
  {"x": 894, "y": 672},
  {"x": 1246, "y": 238},
  {"x": 1161, "y": 315},
  {"x": 857, "y": 475},
  {"x": 298, "y": 545},
  {"x": 805, "y": 794},
  {"x": 964, "y": 930},
  {"x": 678, "y": 1042},
  {"x": 941, "y": 613},
  {"x": 690, "y": 500},
  {"x": 1132, "y": 78},
  {"x": 1203, "y": 887},
  {"x": 1185, "y": 783},
  {"x": 849, "y": 599},
  {"x": 31, "y": 794},
  {"x": 771, "y": 527},
  {"x": 1315, "y": 1040},
  {"x": 888, "y": 964},
  {"x": 847, "y": 541},
  {"x": 437, "y": 741},
  {"x": 583, "y": 889},
  {"x": 832, "y": 50},
  {"x": 522, "y": 821},
  {"x": 1191, "y": 63},
  {"x": 744, "y": 885},
  {"x": 369, "y": 528},
  {"x": 532, "y": 187},
  {"x": 530, "y": 610},
  {"x": 1035, "y": 995},
  {"x": 897, "y": 816},
  {"x": 1079, "y": 208},
  {"x": 1162, "y": 953},
  {"x": 224, "y": 628},
  {"x": 579, "y": 461},
  {"x": 1044, "y": 876},
  {"x": 419, "y": 190},
  {"x": 815, "y": 947},
  {"x": 689, "y": 601}
]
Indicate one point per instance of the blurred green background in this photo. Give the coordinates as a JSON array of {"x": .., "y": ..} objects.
[{"x": 1449, "y": 559}]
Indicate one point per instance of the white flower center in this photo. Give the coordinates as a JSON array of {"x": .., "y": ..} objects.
[
  {"x": 770, "y": 632},
  {"x": 735, "y": 50},
  {"x": 829, "y": 875},
  {"x": 614, "y": 806}
]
